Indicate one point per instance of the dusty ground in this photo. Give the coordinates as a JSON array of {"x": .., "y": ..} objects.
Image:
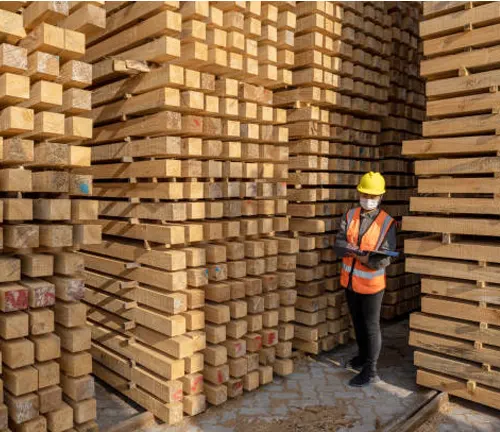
[{"x": 316, "y": 398}]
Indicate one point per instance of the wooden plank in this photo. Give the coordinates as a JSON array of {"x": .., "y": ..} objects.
[
  {"x": 170, "y": 281},
  {"x": 458, "y": 249},
  {"x": 169, "y": 413},
  {"x": 162, "y": 258},
  {"x": 166, "y": 234},
  {"x": 459, "y": 388},
  {"x": 481, "y": 165},
  {"x": 451, "y": 146},
  {"x": 171, "y": 212},
  {"x": 162, "y": 123},
  {"x": 443, "y": 7},
  {"x": 474, "y": 104},
  {"x": 161, "y": 50},
  {"x": 166, "y": 23},
  {"x": 477, "y": 16},
  {"x": 460, "y": 310},
  {"x": 11, "y": 27},
  {"x": 162, "y": 168},
  {"x": 449, "y": 87},
  {"x": 454, "y": 205},
  {"x": 483, "y": 36},
  {"x": 154, "y": 101},
  {"x": 44, "y": 11},
  {"x": 457, "y": 368},
  {"x": 434, "y": 67},
  {"x": 460, "y": 290},
  {"x": 464, "y": 226},
  {"x": 112, "y": 69},
  {"x": 466, "y": 185},
  {"x": 166, "y": 76},
  {"x": 160, "y": 364},
  {"x": 454, "y": 348},
  {"x": 462, "y": 126},
  {"x": 408, "y": 422},
  {"x": 87, "y": 19},
  {"x": 452, "y": 269},
  {"x": 130, "y": 15}
]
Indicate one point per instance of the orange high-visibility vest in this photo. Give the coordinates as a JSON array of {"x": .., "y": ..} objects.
[{"x": 364, "y": 279}]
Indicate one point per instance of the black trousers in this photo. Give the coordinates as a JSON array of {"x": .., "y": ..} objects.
[{"x": 365, "y": 312}]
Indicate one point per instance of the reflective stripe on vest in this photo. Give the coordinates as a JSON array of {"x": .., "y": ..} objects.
[{"x": 363, "y": 274}]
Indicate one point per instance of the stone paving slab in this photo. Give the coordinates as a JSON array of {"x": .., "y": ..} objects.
[{"x": 316, "y": 397}]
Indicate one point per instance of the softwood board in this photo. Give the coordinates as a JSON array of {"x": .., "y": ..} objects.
[
  {"x": 483, "y": 165},
  {"x": 147, "y": 169},
  {"x": 131, "y": 14},
  {"x": 451, "y": 146},
  {"x": 455, "y": 205},
  {"x": 459, "y": 388},
  {"x": 452, "y": 86},
  {"x": 162, "y": 258},
  {"x": 167, "y": 76},
  {"x": 454, "y": 348},
  {"x": 162, "y": 24},
  {"x": 160, "y": 147},
  {"x": 457, "y": 42},
  {"x": 431, "y": 9},
  {"x": 463, "y": 105},
  {"x": 166, "y": 390},
  {"x": 162, "y": 123},
  {"x": 482, "y": 123},
  {"x": 453, "y": 269},
  {"x": 161, "y": 364},
  {"x": 455, "y": 21},
  {"x": 489, "y": 56},
  {"x": 154, "y": 101},
  {"x": 461, "y": 291},
  {"x": 170, "y": 281},
  {"x": 458, "y": 249},
  {"x": 169, "y": 413},
  {"x": 456, "y": 368},
  {"x": 466, "y": 185},
  {"x": 171, "y": 212},
  {"x": 486, "y": 227},
  {"x": 166, "y": 234},
  {"x": 456, "y": 309}
]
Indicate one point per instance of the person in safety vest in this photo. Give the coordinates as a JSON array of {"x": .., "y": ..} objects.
[{"x": 363, "y": 230}]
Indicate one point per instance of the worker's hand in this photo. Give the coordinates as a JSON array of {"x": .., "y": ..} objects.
[{"x": 364, "y": 259}]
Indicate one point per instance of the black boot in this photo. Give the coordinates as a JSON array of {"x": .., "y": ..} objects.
[
  {"x": 364, "y": 378},
  {"x": 355, "y": 363}
]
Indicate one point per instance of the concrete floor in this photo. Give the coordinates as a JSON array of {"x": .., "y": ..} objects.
[{"x": 316, "y": 398}]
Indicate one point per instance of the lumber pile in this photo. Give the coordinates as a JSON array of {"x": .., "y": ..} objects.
[
  {"x": 191, "y": 294},
  {"x": 339, "y": 97},
  {"x": 404, "y": 122},
  {"x": 456, "y": 334},
  {"x": 46, "y": 381}
]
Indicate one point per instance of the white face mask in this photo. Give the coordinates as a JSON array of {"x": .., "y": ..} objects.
[{"x": 369, "y": 203}]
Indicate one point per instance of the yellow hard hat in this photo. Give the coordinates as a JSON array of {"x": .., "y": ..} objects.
[{"x": 372, "y": 183}]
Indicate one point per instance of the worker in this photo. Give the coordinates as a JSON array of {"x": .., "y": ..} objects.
[{"x": 363, "y": 229}]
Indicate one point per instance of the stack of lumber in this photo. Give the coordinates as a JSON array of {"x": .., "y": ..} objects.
[
  {"x": 192, "y": 290},
  {"x": 404, "y": 122},
  {"x": 43, "y": 334},
  {"x": 456, "y": 335},
  {"x": 341, "y": 87}
]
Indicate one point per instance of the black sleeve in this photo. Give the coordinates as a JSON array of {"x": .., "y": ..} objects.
[{"x": 341, "y": 237}]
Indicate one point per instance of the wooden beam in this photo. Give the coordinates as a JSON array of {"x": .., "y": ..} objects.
[
  {"x": 162, "y": 123},
  {"x": 452, "y": 269},
  {"x": 166, "y": 23},
  {"x": 464, "y": 226}
]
